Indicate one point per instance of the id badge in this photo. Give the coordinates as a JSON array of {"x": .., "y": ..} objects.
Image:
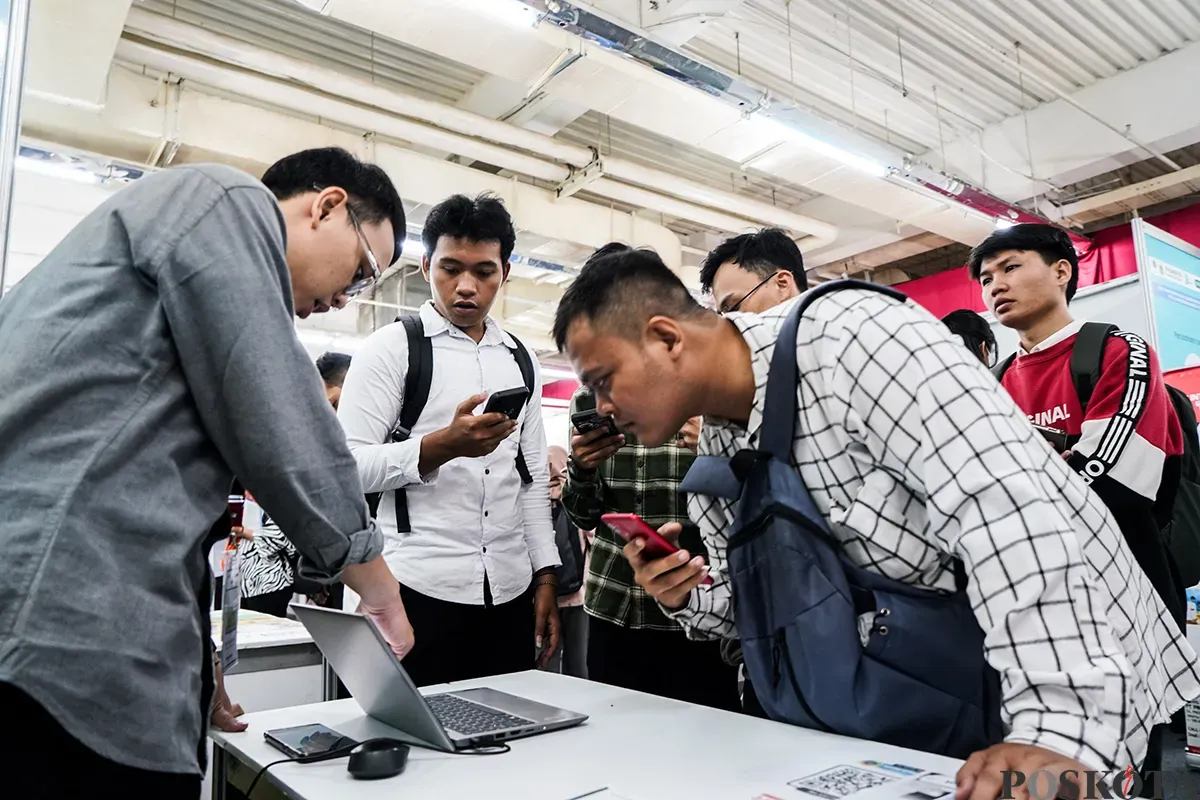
[{"x": 231, "y": 599}]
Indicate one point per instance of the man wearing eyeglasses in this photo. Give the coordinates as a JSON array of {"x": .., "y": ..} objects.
[
  {"x": 753, "y": 272},
  {"x": 136, "y": 388}
]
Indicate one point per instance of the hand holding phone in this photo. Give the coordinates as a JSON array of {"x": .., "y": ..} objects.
[
  {"x": 657, "y": 561},
  {"x": 469, "y": 435},
  {"x": 1056, "y": 438},
  {"x": 596, "y": 441}
]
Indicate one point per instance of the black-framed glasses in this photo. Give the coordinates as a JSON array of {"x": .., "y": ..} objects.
[
  {"x": 746, "y": 296},
  {"x": 362, "y": 281}
]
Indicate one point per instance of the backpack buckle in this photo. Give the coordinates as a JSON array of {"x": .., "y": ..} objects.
[
  {"x": 743, "y": 462},
  {"x": 400, "y": 434}
]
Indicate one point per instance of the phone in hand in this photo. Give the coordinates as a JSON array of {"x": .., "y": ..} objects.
[
  {"x": 307, "y": 740},
  {"x": 1056, "y": 438},
  {"x": 508, "y": 402},
  {"x": 631, "y": 526},
  {"x": 588, "y": 421}
]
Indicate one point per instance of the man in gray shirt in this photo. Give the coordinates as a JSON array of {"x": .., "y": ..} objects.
[{"x": 136, "y": 387}]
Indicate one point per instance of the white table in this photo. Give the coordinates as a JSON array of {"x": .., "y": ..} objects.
[
  {"x": 278, "y": 663},
  {"x": 640, "y": 746}
]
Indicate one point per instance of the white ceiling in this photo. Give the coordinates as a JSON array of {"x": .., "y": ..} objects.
[{"x": 1008, "y": 103}]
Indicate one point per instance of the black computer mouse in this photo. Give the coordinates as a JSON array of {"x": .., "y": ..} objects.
[{"x": 378, "y": 758}]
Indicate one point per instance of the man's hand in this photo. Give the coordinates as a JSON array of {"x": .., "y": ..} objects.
[
  {"x": 689, "y": 436},
  {"x": 545, "y": 622},
  {"x": 467, "y": 436},
  {"x": 982, "y": 778},
  {"x": 670, "y": 579},
  {"x": 392, "y": 622},
  {"x": 225, "y": 713},
  {"x": 591, "y": 449}
]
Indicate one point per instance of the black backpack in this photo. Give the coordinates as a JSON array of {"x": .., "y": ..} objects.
[
  {"x": 417, "y": 381},
  {"x": 1182, "y": 533}
]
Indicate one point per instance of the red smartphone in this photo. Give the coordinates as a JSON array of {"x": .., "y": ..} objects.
[
  {"x": 237, "y": 503},
  {"x": 631, "y": 526}
]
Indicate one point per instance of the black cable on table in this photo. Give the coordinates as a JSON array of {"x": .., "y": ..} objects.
[{"x": 340, "y": 752}]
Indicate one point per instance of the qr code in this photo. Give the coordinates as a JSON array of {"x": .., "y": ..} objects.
[{"x": 839, "y": 782}]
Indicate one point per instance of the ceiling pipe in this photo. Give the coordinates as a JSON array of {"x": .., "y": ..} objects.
[
  {"x": 247, "y": 84},
  {"x": 193, "y": 39},
  {"x": 263, "y": 89}
]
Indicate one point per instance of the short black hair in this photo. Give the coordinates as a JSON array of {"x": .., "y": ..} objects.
[
  {"x": 1051, "y": 243},
  {"x": 764, "y": 253},
  {"x": 623, "y": 289},
  {"x": 484, "y": 219},
  {"x": 333, "y": 368},
  {"x": 972, "y": 328},
  {"x": 373, "y": 196},
  {"x": 607, "y": 250}
]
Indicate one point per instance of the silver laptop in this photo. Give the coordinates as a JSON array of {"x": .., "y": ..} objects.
[{"x": 449, "y": 721}]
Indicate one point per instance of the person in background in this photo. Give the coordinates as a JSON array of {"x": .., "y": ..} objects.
[
  {"x": 975, "y": 332},
  {"x": 920, "y": 458},
  {"x": 1127, "y": 443},
  {"x": 129, "y": 329},
  {"x": 631, "y": 642},
  {"x": 333, "y": 368},
  {"x": 754, "y": 272},
  {"x": 477, "y": 564},
  {"x": 571, "y": 658}
]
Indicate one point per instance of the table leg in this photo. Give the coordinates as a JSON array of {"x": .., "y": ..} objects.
[
  {"x": 329, "y": 689},
  {"x": 220, "y": 767}
]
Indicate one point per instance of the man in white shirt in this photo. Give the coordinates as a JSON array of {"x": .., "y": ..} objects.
[
  {"x": 476, "y": 565},
  {"x": 916, "y": 457}
]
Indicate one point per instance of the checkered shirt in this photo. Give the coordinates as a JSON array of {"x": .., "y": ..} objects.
[{"x": 914, "y": 454}]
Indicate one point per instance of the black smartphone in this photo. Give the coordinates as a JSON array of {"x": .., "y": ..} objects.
[
  {"x": 1056, "y": 438},
  {"x": 588, "y": 421},
  {"x": 508, "y": 402},
  {"x": 307, "y": 740}
]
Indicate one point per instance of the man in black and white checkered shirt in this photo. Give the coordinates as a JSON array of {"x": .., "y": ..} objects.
[{"x": 915, "y": 455}]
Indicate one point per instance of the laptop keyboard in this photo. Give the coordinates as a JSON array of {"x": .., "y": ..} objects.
[{"x": 463, "y": 716}]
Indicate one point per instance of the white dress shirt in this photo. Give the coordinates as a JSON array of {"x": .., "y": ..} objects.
[
  {"x": 914, "y": 454},
  {"x": 472, "y": 515}
]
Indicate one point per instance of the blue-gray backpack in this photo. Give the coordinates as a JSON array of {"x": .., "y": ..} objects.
[{"x": 920, "y": 681}]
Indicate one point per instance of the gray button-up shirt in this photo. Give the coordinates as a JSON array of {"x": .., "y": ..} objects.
[{"x": 146, "y": 361}]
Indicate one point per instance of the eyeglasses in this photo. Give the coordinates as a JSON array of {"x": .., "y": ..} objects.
[
  {"x": 362, "y": 281},
  {"x": 746, "y": 296}
]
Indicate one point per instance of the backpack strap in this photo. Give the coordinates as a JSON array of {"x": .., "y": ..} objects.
[
  {"x": 1001, "y": 368},
  {"x": 521, "y": 354},
  {"x": 1087, "y": 359},
  {"x": 779, "y": 409},
  {"x": 417, "y": 381}
]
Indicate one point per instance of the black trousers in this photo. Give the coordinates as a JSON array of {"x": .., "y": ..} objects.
[
  {"x": 273, "y": 603},
  {"x": 665, "y": 663},
  {"x": 457, "y": 642},
  {"x": 47, "y": 762}
]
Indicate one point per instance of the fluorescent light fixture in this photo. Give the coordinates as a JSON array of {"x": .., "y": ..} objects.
[
  {"x": 1003, "y": 222},
  {"x": 551, "y": 374},
  {"x": 56, "y": 169},
  {"x": 773, "y": 127},
  {"x": 510, "y": 12}
]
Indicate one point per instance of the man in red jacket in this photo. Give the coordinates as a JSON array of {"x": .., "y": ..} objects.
[{"x": 1127, "y": 443}]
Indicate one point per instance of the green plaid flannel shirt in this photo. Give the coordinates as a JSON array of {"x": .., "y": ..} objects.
[{"x": 636, "y": 480}]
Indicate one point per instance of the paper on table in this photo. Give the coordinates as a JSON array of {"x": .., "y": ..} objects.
[{"x": 873, "y": 780}]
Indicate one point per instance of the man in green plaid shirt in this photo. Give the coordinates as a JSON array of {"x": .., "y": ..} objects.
[{"x": 631, "y": 642}]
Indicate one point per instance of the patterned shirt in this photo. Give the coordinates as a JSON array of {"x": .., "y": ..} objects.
[
  {"x": 915, "y": 454},
  {"x": 636, "y": 480}
]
